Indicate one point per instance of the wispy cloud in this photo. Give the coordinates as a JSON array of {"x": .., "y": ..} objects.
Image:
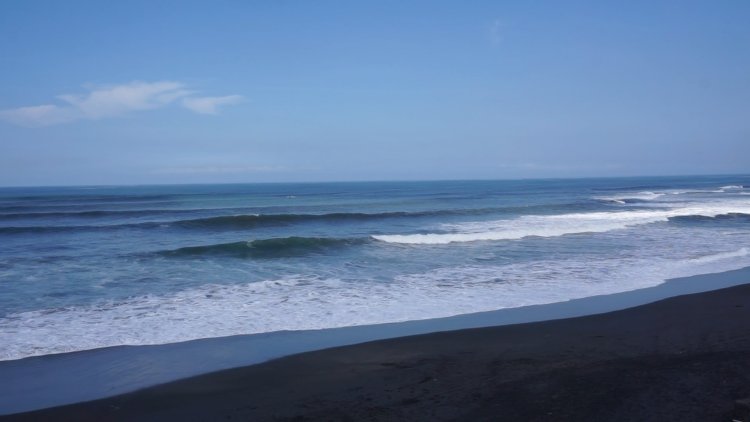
[
  {"x": 114, "y": 100},
  {"x": 121, "y": 99},
  {"x": 39, "y": 115},
  {"x": 209, "y": 105},
  {"x": 496, "y": 32},
  {"x": 219, "y": 169}
]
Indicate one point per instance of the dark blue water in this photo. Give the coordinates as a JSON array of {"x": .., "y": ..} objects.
[{"x": 87, "y": 267}]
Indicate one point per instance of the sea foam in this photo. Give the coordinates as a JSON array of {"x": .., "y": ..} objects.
[
  {"x": 559, "y": 225},
  {"x": 305, "y": 302}
]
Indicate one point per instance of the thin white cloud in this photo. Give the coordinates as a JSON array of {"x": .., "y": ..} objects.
[
  {"x": 209, "y": 105},
  {"x": 496, "y": 32},
  {"x": 112, "y": 101},
  {"x": 219, "y": 169},
  {"x": 39, "y": 115},
  {"x": 121, "y": 99}
]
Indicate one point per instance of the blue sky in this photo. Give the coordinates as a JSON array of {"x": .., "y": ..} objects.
[{"x": 139, "y": 92}]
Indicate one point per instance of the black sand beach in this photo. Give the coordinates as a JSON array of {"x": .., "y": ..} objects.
[{"x": 685, "y": 358}]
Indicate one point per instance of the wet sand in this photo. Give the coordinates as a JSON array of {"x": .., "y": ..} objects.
[{"x": 685, "y": 358}]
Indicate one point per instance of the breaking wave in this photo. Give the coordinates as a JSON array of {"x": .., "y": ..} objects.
[
  {"x": 559, "y": 225},
  {"x": 247, "y": 221},
  {"x": 305, "y": 302},
  {"x": 630, "y": 198}
]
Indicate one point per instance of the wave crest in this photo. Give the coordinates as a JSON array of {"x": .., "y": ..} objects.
[
  {"x": 559, "y": 225},
  {"x": 632, "y": 197},
  {"x": 282, "y": 247},
  {"x": 258, "y": 220}
]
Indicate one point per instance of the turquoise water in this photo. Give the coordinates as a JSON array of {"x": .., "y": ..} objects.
[{"x": 89, "y": 267}]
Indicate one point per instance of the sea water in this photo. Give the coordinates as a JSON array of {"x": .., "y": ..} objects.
[{"x": 90, "y": 267}]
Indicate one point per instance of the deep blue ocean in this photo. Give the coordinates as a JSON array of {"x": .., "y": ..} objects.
[{"x": 89, "y": 267}]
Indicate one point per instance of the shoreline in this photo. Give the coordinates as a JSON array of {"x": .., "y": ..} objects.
[
  {"x": 682, "y": 358},
  {"x": 53, "y": 380}
]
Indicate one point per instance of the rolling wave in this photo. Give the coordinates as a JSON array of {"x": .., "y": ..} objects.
[
  {"x": 236, "y": 222},
  {"x": 559, "y": 225},
  {"x": 65, "y": 229},
  {"x": 283, "y": 247},
  {"x": 42, "y": 229},
  {"x": 542, "y": 224},
  {"x": 632, "y": 197},
  {"x": 707, "y": 259},
  {"x": 260, "y": 220},
  {"x": 88, "y": 214},
  {"x": 730, "y": 216}
]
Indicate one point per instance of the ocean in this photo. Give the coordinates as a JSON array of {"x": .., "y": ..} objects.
[{"x": 90, "y": 267}]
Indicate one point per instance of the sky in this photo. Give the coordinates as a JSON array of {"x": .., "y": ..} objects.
[{"x": 143, "y": 92}]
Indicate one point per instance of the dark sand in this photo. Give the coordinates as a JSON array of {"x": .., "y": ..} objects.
[{"x": 680, "y": 359}]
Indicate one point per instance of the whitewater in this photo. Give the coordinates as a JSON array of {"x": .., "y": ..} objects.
[{"x": 84, "y": 268}]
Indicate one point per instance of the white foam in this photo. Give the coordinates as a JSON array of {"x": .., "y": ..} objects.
[
  {"x": 304, "y": 302},
  {"x": 559, "y": 225},
  {"x": 526, "y": 226},
  {"x": 639, "y": 196},
  {"x": 652, "y": 196},
  {"x": 707, "y": 259}
]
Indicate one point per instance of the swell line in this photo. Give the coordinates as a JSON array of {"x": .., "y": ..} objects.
[
  {"x": 243, "y": 221},
  {"x": 282, "y": 247}
]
